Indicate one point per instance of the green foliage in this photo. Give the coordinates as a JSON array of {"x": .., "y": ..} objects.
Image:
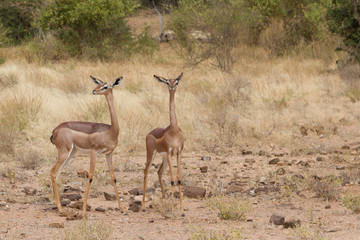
[
  {"x": 352, "y": 201},
  {"x": 92, "y": 29},
  {"x": 17, "y": 18},
  {"x": 218, "y": 25},
  {"x": 342, "y": 21},
  {"x": 231, "y": 208}
]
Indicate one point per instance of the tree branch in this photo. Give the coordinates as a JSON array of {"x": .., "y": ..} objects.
[{"x": 356, "y": 12}]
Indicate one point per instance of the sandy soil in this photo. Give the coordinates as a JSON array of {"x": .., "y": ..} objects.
[{"x": 260, "y": 184}]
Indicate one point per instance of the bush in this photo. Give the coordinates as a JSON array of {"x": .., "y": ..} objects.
[
  {"x": 92, "y": 29},
  {"x": 352, "y": 201},
  {"x": 88, "y": 230},
  {"x": 342, "y": 20},
  {"x": 210, "y": 29},
  {"x": 17, "y": 18},
  {"x": 231, "y": 208}
]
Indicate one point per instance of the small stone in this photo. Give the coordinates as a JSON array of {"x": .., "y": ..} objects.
[
  {"x": 277, "y": 220},
  {"x": 56, "y": 225},
  {"x": 82, "y": 173},
  {"x": 2, "y": 204},
  {"x": 303, "y": 130},
  {"x": 280, "y": 171},
  {"x": 134, "y": 207},
  {"x": 234, "y": 189},
  {"x": 327, "y": 206},
  {"x": 138, "y": 199},
  {"x": 340, "y": 167},
  {"x": 29, "y": 191},
  {"x": 109, "y": 197},
  {"x": 320, "y": 159},
  {"x": 293, "y": 223},
  {"x": 303, "y": 163},
  {"x": 194, "y": 192},
  {"x": 44, "y": 200},
  {"x": 224, "y": 162},
  {"x": 204, "y": 169},
  {"x": 247, "y": 152},
  {"x": 69, "y": 189},
  {"x": 206, "y": 158},
  {"x": 65, "y": 202},
  {"x": 72, "y": 196},
  {"x": 134, "y": 191},
  {"x": 148, "y": 191},
  {"x": 345, "y": 147},
  {"x": 274, "y": 161},
  {"x": 100, "y": 209},
  {"x": 79, "y": 205},
  {"x": 262, "y": 180},
  {"x": 249, "y": 160}
]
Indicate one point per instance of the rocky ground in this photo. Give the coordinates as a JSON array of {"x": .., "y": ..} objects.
[{"x": 281, "y": 192}]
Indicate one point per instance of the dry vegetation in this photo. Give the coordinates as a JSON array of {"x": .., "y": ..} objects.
[{"x": 262, "y": 104}]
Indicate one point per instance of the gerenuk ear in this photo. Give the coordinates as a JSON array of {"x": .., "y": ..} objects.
[
  {"x": 116, "y": 82},
  {"x": 179, "y": 77},
  {"x": 161, "y": 79},
  {"x": 97, "y": 81}
]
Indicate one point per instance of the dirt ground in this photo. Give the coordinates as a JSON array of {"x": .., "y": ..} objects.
[{"x": 26, "y": 214}]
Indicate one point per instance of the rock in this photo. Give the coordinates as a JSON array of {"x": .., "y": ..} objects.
[
  {"x": 56, "y": 225},
  {"x": 319, "y": 129},
  {"x": 345, "y": 147},
  {"x": 234, "y": 189},
  {"x": 303, "y": 130},
  {"x": 138, "y": 199},
  {"x": 224, "y": 162},
  {"x": 206, "y": 158},
  {"x": 3, "y": 204},
  {"x": 358, "y": 181},
  {"x": 100, "y": 209},
  {"x": 280, "y": 171},
  {"x": 176, "y": 194},
  {"x": 79, "y": 205},
  {"x": 65, "y": 202},
  {"x": 277, "y": 220},
  {"x": 82, "y": 173},
  {"x": 44, "y": 200},
  {"x": 29, "y": 191},
  {"x": 72, "y": 196},
  {"x": 148, "y": 191},
  {"x": 68, "y": 189},
  {"x": 327, "y": 206},
  {"x": 249, "y": 160},
  {"x": 340, "y": 167},
  {"x": 303, "y": 163},
  {"x": 134, "y": 191},
  {"x": 262, "y": 180},
  {"x": 247, "y": 152},
  {"x": 293, "y": 223},
  {"x": 320, "y": 159},
  {"x": 204, "y": 169},
  {"x": 109, "y": 197},
  {"x": 134, "y": 206},
  {"x": 194, "y": 192},
  {"x": 274, "y": 161}
]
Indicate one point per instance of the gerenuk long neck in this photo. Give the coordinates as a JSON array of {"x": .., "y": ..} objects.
[
  {"x": 114, "y": 122},
  {"x": 173, "y": 120}
]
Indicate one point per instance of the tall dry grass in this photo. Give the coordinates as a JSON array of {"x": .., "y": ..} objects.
[{"x": 264, "y": 99}]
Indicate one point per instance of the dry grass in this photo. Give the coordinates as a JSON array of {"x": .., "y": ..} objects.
[
  {"x": 352, "y": 201},
  {"x": 306, "y": 233},
  {"x": 202, "y": 234},
  {"x": 88, "y": 230},
  {"x": 263, "y": 98},
  {"x": 230, "y": 208}
]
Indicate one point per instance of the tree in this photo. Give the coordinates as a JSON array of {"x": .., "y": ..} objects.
[{"x": 343, "y": 19}]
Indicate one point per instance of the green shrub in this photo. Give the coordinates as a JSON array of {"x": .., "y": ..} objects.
[
  {"x": 91, "y": 29},
  {"x": 17, "y": 18},
  {"x": 210, "y": 29},
  {"x": 352, "y": 201},
  {"x": 230, "y": 208}
]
